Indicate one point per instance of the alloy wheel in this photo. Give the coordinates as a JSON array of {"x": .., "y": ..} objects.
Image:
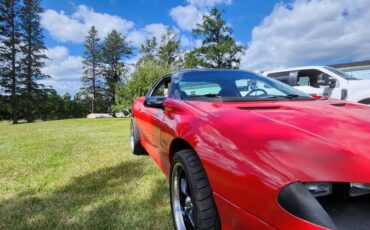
[{"x": 182, "y": 200}]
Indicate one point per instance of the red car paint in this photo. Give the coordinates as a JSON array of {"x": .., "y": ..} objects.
[{"x": 251, "y": 150}]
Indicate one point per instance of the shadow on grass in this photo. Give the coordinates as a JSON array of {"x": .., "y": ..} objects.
[{"x": 118, "y": 197}]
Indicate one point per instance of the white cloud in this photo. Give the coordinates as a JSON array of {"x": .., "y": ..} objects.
[
  {"x": 186, "y": 41},
  {"x": 156, "y": 29},
  {"x": 75, "y": 27},
  {"x": 186, "y": 17},
  {"x": 62, "y": 27},
  {"x": 308, "y": 32},
  {"x": 205, "y": 3},
  {"x": 198, "y": 43},
  {"x": 137, "y": 37},
  {"x": 65, "y": 70}
]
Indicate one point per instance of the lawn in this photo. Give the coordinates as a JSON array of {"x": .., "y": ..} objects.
[{"x": 78, "y": 174}]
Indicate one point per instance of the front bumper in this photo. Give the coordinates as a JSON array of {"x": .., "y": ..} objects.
[{"x": 336, "y": 211}]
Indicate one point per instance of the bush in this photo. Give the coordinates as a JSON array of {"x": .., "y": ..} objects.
[{"x": 141, "y": 81}]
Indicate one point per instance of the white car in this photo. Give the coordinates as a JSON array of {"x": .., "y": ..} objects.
[{"x": 324, "y": 81}]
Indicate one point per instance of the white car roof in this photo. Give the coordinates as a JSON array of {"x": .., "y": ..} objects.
[{"x": 292, "y": 69}]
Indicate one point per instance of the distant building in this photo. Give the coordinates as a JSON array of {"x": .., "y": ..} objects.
[{"x": 360, "y": 69}]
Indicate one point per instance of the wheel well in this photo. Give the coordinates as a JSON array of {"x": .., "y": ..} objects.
[
  {"x": 177, "y": 145},
  {"x": 365, "y": 101}
]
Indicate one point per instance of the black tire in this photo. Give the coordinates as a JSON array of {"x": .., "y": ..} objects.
[
  {"x": 203, "y": 207},
  {"x": 136, "y": 147}
]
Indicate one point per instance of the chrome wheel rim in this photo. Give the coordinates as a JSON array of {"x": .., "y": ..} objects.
[
  {"x": 132, "y": 138},
  {"x": 182, "y": 202}
]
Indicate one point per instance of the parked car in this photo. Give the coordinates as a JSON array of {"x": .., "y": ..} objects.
[
  {"x": 243, "y": 151},
  {"x": 324, "y": 81}
]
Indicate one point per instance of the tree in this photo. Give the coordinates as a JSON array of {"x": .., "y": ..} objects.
[
  {"x": 169, "y": 48},
  {"x": 142, "y": 79},
  {"x": 10, "y": 38},
  {"x": 92, "y": 64},
  {"x": 167, "y": 51},
  {"x": 115, "y": 49},
  {"x": 148, "y": 50},
  {"x": 219, "y": 49},
  {"x": 33, "y": 48}
]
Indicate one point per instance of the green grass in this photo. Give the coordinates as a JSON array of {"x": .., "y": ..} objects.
[{"x": 78, "y": 174}]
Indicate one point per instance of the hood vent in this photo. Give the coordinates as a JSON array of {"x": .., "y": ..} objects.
[
  {"x": 339, "y": 104},
  {"x": 252, "y": 108}
]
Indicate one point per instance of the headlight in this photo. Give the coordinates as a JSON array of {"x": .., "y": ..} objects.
[
  {"x": 318, "y": 189},
  {"x": 358, "y": 189}
]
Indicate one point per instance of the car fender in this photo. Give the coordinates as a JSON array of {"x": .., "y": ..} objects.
[
  {"x": 358, "y": 90},
  {"x": 227, "y": 160}
]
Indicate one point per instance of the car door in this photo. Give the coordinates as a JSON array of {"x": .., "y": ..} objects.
[
  {"x": 307, "y": 81},
  {"x": 326, "y": 82},
  {"x": 150, "y": 118}
]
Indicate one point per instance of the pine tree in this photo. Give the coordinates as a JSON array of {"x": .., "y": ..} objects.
[
  {"x": 33, "y": 48},
  {"x": 169, "y": 48},
  {"x": 92, "y": 64},
  {"x": 219, "y": 49},
  {"x": 10, "y": 39},
  {"x": 115, "y": 49},
  {"x": 148, "y": 50}
]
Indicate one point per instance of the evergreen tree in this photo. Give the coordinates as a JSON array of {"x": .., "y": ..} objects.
[
  {"x": 92, "y": 64},
  {"x": 115, "y": 49},
  {"x": 10, "y": 39},
  {"x": 32, "y": 48},
  {"x": 148, "y": 50},
  {"x": 219, "y": 49},
  {"x": 169, "y": 48}
]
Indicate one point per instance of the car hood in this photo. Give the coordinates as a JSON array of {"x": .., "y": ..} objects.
[
  {"x": 358, "y": 85},
  {"x": 315, "y": 140},
  {"x": 359, "y": 82}
]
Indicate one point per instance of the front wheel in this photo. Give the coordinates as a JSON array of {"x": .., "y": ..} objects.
[{"x": 192, "y": 201}]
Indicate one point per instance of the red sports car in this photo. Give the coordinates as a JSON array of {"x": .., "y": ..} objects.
[{"x": 243, "y": 151}]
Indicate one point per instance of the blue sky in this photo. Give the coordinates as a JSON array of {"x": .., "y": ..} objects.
[
  {"x": 242, "y": 17},
  {"x": 277, "y": 33}
]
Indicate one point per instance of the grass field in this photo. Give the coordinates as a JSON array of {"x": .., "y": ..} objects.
[{"x": 78, "y": 174}]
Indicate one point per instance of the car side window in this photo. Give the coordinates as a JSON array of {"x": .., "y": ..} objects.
[
  {"x": 287, "y": 77},
  {"x": 309, "y": 77},
  {"x": 162, "y": 88},
  {"x": 280, "y": 76},
  {"x": 304, "y": 81},
  {"x": 324, "y": 79}
]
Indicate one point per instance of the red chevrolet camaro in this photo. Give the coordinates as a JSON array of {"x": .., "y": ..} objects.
[{"x": 242, "y": 151}]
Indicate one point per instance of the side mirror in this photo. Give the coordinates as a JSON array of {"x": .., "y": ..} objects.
[
  {"x": 154, "y": 102},
  {"x": 332, "y": 83}
]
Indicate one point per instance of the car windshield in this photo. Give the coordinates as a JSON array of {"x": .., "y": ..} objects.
[
  {"x": 224, "y": 85},
  {"x": 340, "y": 73}
]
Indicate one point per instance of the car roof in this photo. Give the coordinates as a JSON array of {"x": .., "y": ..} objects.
[
  {"x": 206, "y": 70},
  {"x": 292, "y": 69}
]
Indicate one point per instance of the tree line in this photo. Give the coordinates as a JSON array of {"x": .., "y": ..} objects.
[
  {"x": 21, "y": 58},
  {"x": 110, "y": 80},
  {"x": 104, "y": 67}
]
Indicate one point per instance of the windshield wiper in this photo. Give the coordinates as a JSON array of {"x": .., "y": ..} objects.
[
  {"x": 290, "y": 96},
  {"x": 293, "y": 96},
  {"x": 214, "y": 95}
]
